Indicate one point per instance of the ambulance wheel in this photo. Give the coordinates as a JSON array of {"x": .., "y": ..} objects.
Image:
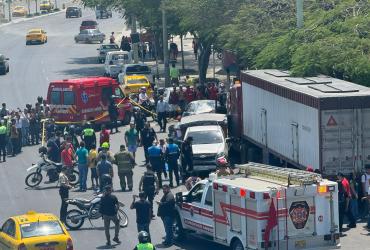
[
  {"x": 237, "y": 245},
  {"x": 178, "y": 230}
]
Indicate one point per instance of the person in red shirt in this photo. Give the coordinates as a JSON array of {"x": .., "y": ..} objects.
[
  {"x": 104, "y": 134},
  {"x": 174, "y": 97},
  {"x": 189, "y": 94},
  {"x": 345, "y": 209},
  {"x": 67, "y": 156},
  {"x": 212, "y": 92},
  {"x": 199, "y": 93}
]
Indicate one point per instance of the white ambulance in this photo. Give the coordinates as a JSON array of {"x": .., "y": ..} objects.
[{"x": 262, "y": 207}]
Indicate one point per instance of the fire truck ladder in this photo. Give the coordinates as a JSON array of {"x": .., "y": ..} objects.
[{"x": 285, "y": 175}]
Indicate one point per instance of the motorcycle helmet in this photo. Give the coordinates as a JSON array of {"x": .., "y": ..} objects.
[
  {"x": 43, "y": 150},
  {"x": 143, "y": 237},
  {"x": 222, "y": 162},
  {"x": 143, "y": 89},
  {"x": 105, "y": 145}
]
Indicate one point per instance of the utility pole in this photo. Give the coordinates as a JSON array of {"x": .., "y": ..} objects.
[
  {"x": 56, "y": 4},
  {"x": 299, "y": 13},
  {"x": 182, "y": 53},
  {"x": 9, "y": 9},
  {"x": 29, "y": 7},
  {"x": 213, "y": 61},
  {"x": 135, "y": 45},
  {"x": 165, "y": 47}
]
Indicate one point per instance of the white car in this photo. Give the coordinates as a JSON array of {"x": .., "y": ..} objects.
[
  {"x": 208, "y": 145},
  {"x": 136, "y": 69},
  {"x": 115, "y": 61},
  {"x": 104, "y": 49}
]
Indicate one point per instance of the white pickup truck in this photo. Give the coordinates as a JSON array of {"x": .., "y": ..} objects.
[
  {"x": 264, "y": 206},
  {"x": 115, "y": 61}
]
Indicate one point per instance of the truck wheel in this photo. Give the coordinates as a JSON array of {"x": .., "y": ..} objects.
[
  {"x": 178, "y": 230},
  {"x": 237, "y": 245}
]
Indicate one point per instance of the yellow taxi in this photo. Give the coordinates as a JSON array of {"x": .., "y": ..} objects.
[
  {"x": 19, "y": 11},
  {"x": 133, "y": 83},
  {"x": 36, "y": 36},
  {"x": 34, "y": 231}
]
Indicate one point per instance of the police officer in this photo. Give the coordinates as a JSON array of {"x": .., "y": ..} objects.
[
  {"x": 172, "y": 155},
  {"x": 186, "y": 158},
  {"x": 88, "y": 136},
  {"x": 3, "y": 131},
  {"x": 149, "y": 184},
  {"x": 144, "y": 242},
  {"x": 155, "y": 158},
  {"x": 125, "y": 163}
]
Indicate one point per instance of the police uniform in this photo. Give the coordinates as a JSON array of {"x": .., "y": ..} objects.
[
  {"x": 89, "y": 138},
  {"x": 3, "y": 134},
  {"x": 155, "y": 159},
  {"x": 172, "y": 155},
  {"x": 149, "y": 181},
  {"x": 125, "y": 163}
]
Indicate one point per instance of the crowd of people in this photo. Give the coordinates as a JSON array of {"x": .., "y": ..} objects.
[{"x": 20, "y": 128}]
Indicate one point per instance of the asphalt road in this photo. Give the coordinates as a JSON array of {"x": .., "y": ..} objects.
[{"x": 32, "y": 68}]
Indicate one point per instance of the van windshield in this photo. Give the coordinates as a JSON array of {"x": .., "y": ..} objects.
[{"x": 88, "y": 23}]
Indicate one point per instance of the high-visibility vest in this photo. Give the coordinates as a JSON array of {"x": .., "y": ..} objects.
[
  {"x": 145, "y": 246},
  {"x": 88, "y": 132},
  {"x": 3, "y": 130}
]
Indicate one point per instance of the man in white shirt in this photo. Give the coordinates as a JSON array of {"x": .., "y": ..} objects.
[
  {"x": 162, "y": 109},
  {"x": 143, "y": 97}
]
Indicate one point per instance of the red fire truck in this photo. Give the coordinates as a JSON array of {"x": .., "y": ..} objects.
[{"x": 86, "y": 99}]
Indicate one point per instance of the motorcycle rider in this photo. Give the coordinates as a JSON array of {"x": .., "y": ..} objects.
[
  {"x": 149, "y": 184},
  {"x": 64, "y": 193},
  {"x": 143, "y": 97},
  {"x": 125, "y": 163},
  {"x": 172, "y": 156},
  {"x": 144, "y": 242},
  {"x": 89, "y": 137}
]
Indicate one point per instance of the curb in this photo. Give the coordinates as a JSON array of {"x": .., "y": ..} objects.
[{"x": 31, "y": 18}]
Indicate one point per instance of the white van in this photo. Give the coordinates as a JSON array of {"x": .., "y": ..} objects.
[{"x": 115, "y": 61}]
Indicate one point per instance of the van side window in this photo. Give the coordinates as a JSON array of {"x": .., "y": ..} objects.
[
  {"x": 209, "y": 200},
  {"x": 69, "y": 98},
  {"x": 106, "y": 94},
  {"x": 55, "y": 97}
]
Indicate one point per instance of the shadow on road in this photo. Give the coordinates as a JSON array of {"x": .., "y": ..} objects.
[
  {"x": 82, "y": 72},
  {"x": 107, "y": 247},
  {"x": 41, "y": 188},
  {"x": 84, "y": 60}
]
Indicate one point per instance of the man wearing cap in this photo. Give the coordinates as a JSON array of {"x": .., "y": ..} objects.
[
  {"x": 64, "y": 193},
  {"x": 125, "y": 163},
  {"x": 3, "y": 131},
  {"x": 143, "y": 212},
  {"x": 132, "y": 139}
]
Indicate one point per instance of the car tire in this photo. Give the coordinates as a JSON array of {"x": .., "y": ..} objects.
[{"x": 237, "y": 245}]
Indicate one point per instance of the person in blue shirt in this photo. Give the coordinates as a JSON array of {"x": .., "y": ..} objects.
[
  {"x": 155, "y": 158},
  {"x": 172, "y": 156},
  {"x": 82, "y": 160}
]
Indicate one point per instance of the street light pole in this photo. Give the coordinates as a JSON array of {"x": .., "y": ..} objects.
[
  {"x": 165, "y": 47},
  {"x": 213, "y": 61},
  {"x": 299, "y": 13},
  {"x": 9, "y": 10},
  {"x": 135, "y": 45}
]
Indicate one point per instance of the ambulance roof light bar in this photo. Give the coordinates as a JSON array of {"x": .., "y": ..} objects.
[{"x": 287, "y": 175}]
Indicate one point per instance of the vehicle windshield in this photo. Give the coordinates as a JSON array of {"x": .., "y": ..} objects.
[
  {"x": 34, "y": 32},
  {"x": 72, "y": 8},
  {"x": 110, "y": 46},
  {"x": 18, "y": 8},
  {"x": 88, "y": 23},
  {"x": 201, "y": 107},
  {"x": 94, "y": 31},
  {"x": 44, "y": 2},
  {"x": 119, "y": 57},
  {"x": 137, "y": 81},
  {"x": 138, "y": 69},
  {"x": 206, "y": 137},
  {"x": 41, "y": 228}
]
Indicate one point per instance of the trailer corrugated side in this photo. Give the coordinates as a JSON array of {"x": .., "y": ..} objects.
[{"x": 321, "y": 122}]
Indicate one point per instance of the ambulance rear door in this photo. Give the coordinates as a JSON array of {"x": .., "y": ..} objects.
[
  {"x": 300, "y": 212},
  {"x": 221, "y": 202}
]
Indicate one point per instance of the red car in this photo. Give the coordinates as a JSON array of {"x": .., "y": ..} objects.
[{"x": 88, "y": 24}]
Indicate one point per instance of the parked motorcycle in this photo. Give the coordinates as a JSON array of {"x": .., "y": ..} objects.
[
  {"x": 52, "y": 170},
  {"x": 89, "y": 209}
]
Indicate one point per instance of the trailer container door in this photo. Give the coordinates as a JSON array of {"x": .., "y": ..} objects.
[
  {"x": 338, "y": 141},
  {"x": 295, "y": 142},
  {"x": 363, "y": 156},
  {"x": 264, "y": 126}
]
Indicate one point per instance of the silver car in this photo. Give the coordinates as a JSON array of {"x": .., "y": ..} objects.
[
  {"x": 90, "y": 36},
  {"x": 104, "y": 49}
]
